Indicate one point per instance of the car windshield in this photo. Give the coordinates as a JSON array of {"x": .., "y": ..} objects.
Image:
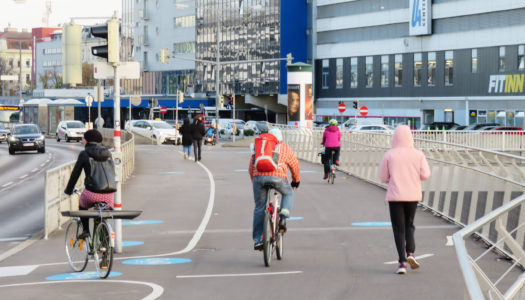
[
  {"x": 75, "y": 125},
  {"x": 162, "y": 125},
  {"x": 25, "y": 129}
]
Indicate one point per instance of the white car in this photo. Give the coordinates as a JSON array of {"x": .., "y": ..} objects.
[
  {"x": 158, "y": 130},
  {"x": 70, "y": 130},
  {"x": 239, "y": 124},
  {"x": 372, "y": 127}
]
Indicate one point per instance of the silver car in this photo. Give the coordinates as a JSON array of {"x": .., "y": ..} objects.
[
  {"x": 70, "y": 130},
  {"x": 4, "y": 133}
]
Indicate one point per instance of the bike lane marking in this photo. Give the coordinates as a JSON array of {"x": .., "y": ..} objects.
[
  {"x": 239, "y": 274},
  {"x": 417, "y": 257},
  {"x": 157, "y": 290},
  {"x": 80, "y": 276},
  {"x": 17, "y": 271}
]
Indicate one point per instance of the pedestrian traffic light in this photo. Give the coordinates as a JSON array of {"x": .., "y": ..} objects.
[
  {"x": 110, "y": 32},
  {"x": 231, "y": 100},
  {"x": 356, "y": 104}
]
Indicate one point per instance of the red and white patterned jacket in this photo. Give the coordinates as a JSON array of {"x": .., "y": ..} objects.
[{"x": 287, "y": 159}]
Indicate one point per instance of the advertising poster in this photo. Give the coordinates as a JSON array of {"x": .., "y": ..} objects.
[
  {"x": 308, "y": 104},
  {"x": 294, "y": 103}
]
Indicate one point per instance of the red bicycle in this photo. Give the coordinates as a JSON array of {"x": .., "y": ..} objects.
[{"x": 272, "y": 236}]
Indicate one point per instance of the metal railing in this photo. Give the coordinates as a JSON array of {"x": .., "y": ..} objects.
[
  {"x": 56, "y": 181},
  {"x": 467, "y": 183}
]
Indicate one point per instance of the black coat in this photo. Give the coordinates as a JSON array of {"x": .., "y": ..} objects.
[
  {"x": 185, "y": 130},
  {"x": 98, "y": 153},
  {"x": 197, "y": 130}
]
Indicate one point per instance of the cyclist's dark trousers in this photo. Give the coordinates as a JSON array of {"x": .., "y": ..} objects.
[
  {"x": 85, "y": 222},
  {"x": 402, "y": 216},
  {"x": 197, "y": 149},
  {"x": 328, "y": 152}
]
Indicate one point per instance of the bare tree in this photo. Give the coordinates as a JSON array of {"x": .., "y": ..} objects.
[
  {"x": 56, "y": 79},
  {"x": 5, "y": 69},
  {"x": 88, "y": 78},
  {"x": 44, "y": 79}
]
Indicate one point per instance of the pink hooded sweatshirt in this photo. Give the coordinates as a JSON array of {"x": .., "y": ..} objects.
[
  {"x": 403, "y": 168},
  {"x": 332, "y": 136}
]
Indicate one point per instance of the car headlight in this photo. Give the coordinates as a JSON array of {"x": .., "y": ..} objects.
[
  {"x": 13, "y": 139},
  {"x": 40, "y": 138}
]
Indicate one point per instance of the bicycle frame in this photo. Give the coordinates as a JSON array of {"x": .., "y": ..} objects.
[{"x": 272, "y": 207}]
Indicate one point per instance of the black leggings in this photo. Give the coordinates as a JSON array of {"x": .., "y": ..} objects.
[
  {"x": 402, "y": 215},
  {"x": 328, "y": 152},
  {"x": 197, "y": 149}
]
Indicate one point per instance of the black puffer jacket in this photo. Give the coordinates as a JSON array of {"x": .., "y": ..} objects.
[
  {"x": 98, "y": 153},
  {"x": 185, "y": 130},
  {"x": 197, "y": 130}
]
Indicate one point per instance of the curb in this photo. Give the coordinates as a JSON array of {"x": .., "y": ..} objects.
[{"x": 37, "y": 236}]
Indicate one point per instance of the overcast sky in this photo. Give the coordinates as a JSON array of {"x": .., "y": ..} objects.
[{"x": 29, "y": 14}]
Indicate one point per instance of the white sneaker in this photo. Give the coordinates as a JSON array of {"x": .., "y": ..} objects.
[
  {"x": 412, "y": 262},
  {"x": 402, "y": 269}
]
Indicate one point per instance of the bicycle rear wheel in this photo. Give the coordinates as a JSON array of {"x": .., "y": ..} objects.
[
  {"x": 103, "y": 250},
  {"x": 331, "y": 178},
  {"x": 279, "y": 243},
  {"x": 267, "y": 240},
  {"x": 76, "y": 250}
]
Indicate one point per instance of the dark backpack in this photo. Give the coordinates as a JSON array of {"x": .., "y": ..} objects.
[{"x": 102, "y": 177}]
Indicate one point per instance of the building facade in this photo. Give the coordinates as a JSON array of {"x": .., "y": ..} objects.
[
  {"x": 421, "y": 61},
  {"x": 15, "y": 59}
]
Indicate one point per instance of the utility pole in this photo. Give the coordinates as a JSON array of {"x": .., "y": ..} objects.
[
  {"x": 217, "y": 67},
  {"x": 21, "y": 103}
]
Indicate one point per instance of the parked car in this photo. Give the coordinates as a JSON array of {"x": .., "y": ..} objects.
[
  {"x": 26, "y": 137},
  {"x": 477, "y": 126},
  {"x": 70, "y": 130},
  {"x": 258, "y": 127},
  {"x": 4, "y": 133},
  {"x": 158, "y": 130},
  {"x": 372, "y": 127},
  {"x": 239, "y": 125},
  {"x": 440, "y": 126}
]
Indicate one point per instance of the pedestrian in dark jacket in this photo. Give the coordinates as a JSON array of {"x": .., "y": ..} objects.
[
  {"x": 92, "y": 141},
  {"x": 197, "y": 132},
  {"x": 187, "y": 139}
]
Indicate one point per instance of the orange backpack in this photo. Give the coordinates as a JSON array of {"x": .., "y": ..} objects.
[{"x": 266, "y": 153}]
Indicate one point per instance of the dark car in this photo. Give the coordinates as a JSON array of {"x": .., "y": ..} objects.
[
  {"x": 4, "y": 133},
  {"x": 440, "y": 126},
  {"x": 26, "y": 137},
  {"x": 478, "y": 126}
]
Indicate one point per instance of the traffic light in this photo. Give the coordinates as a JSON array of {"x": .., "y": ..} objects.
[
  {"x": 165, "y": 56},
  {"x": 181, "y": 96},
  {"x": 110, "y": 32},
  {"x": 221, "y": 101},
  {"x": 356, "y": 104},
  {"x": 72, "y": 54},
  {"x": 231, "y": 101}
]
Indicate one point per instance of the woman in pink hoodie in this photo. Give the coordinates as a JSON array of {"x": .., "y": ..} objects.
[
  {"x": 332, "y": 144},
  {"x": 403, "y": 168}
]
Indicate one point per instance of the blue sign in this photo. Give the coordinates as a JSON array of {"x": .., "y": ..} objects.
[
  {"x": 307, "y": 171},
  {"x": 131, "y": 243},
  {"x": 143, "y": 222},
  {"x": 80, "y": 276},
  {"x": 294, "y": 218},
  {"x": 156, "y": 261},
  {"x": 371, "y": 224},
  {"x": 420, "y": 22},
  {"x": 240, "y": 170}
]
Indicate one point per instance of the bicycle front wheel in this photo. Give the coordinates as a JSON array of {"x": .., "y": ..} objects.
[
  {"x": 76, "y": 249},
  {"x": 279, "y": 244},
  {"x": 103, "y": 250},
  {"x": 267, "y": 240}
]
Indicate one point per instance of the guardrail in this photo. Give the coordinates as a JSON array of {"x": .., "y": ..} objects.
[
  {"x": 467, "y": 183},
  {"x": 56, "y": 180}
]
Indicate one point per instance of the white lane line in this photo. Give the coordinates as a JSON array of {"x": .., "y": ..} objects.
[
  {"x": 450, "y": 241},
  {"x": 14, "y": 239},
  {"x": 239, "y": 275},
  {"x": 156, "y": 293},
  {"x": 7, "y": 184},
  {"x": 17, "y": 271},
  {"x": 34, "y": 170},
  {"x": 417, "y": 257},
  {"x": 42, "y": 164},
  {"x": 22, "y": 177}
]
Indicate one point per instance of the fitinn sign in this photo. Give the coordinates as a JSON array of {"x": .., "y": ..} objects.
[{"x": 506, "y": 84}]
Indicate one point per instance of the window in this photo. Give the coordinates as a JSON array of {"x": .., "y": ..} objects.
[
  {"x": 418, "y": 69},
  {"x": 398, "y": 70},
  {"x": 326, "y": 72},
  {"x": 186, "y": 21},
  {"x": 353, "y": 72},
  {"x": 502, "y": 59},
  {"x": 28, "y": 63},
  {"x": 339, "y": 73},
  {"x": 384, "y": 71},
  {"x": 369, "y": 71},
  {"x": 474, "y": 67},
  {"x": 185, "y": 47},
  {"x": 449, "y": 68},
  {"x": 431, "y": 80},
  {"x": 521, "y": 57}
]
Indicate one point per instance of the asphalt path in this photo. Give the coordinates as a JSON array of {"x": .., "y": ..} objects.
[
  {"x": 22, "y": 178},
  {"x": 193, "y": 241}
]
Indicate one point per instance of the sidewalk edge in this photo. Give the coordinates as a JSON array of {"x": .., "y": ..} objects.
[{"x": 37, "y": 236}]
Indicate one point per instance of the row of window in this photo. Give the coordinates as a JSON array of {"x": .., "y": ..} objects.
[
  {"x": 502, "y": 54},
  {"x": 185, "y": 47},
  {"x": 385, "y": 70},
  {"x": 11, "y": 63},
  {"x": 52, "y": 51},
  {"x": 185, "y": 21},
  {"x": 52, "y": 63}
]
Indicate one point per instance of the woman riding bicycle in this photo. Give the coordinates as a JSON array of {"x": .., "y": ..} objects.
[
  {"x": 332, "y": 143},
  {"x": 92, "y": 139}
]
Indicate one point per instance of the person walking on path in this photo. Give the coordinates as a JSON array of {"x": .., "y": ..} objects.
[
  {"x": 197, "y": 132},
  {"x": 403, "y": 168},
  {"x": 187, "y": 139},
  {"x": 332, "y": 144}
]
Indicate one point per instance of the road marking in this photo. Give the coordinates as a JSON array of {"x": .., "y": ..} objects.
[
  {"x": 42, "y": 164},
  {"x": 7, "y": 184},
  {"x": 80, "y": 276},
  {"x": 450, "y": 241},
  {"x": 17, "y": 271},
  {"x": 172, "y": 172},
  {"x": 156, "y": 293},
  {"x": 34, "y": 170},
  {"x": 23, "y": 176},
  {"x": 157, "y": 261},
  {"x": 14, "y": 239},
  {"x": 371, "y": 224},
  {"x": 240, "y": 170},
  {"x": 239, "y": 274},
  {"x": 417, "y": 257}
]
